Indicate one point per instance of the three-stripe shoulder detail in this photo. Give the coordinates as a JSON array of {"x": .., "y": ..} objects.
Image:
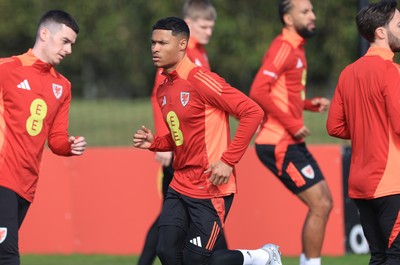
[
  {"x": 281, "y": 55},
  {"x": 209, "y": 81},
  {"x": 6, "y": 60}
]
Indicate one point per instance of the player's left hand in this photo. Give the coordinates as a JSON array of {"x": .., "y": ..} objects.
[
  {"x": 78, "y": 145},
  {"x": 323, "y": 103},
  {"x": 220, "y": 173}
]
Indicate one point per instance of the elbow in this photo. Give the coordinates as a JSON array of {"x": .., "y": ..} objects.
[
  {"x": 337, "y": 132},
  {"x": 396, "y": 130},
  {"x": 332, "y": 131},
  {"x": 258, "y": 112},
  {"x": 254, "y": 95}
]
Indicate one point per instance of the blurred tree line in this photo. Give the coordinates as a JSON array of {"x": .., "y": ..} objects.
[{"x": 112, "y": 57}]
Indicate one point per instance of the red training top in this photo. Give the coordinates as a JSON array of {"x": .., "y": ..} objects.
[
  {"x": 366, "y": 109},
  {"x": 197, "y": 54},
  {"x": 34, "y": 105},
  {"x": 196, "y": 104},
  {"x": 279, "y": 88}
]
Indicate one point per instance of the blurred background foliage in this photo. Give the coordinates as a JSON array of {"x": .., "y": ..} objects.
[
  {"x": 112, "y": 58},
  {"x": 111, "y": 66}
]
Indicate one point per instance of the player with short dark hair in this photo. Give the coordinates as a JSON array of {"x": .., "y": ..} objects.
[
  {"x": 366, "y": 109},
  {"x": 35, "y": 101},
  {"x": 200, "y": 15},
  {"x": 280, "y": 88},
  {"x": 195, "y": 105}
]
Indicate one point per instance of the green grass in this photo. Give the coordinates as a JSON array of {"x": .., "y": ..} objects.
[
  {"x": 109, "y": 122},
  {"x": 112, "y": 122},
  {"x": 125, "y": 260}
]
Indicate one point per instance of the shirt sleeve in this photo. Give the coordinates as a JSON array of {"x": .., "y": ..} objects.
[
  {"x": 391, "y": 93},
  {"x": 216, "y": 92},
  {"x": 159, "y": 123},
  {"x": 273, "y": 66},
  {"x": 336, "y": 124},
  {"x": 58, "y": 134},
  {"x": 309, "y": 106},
  {"x": 162, "y": 143}
]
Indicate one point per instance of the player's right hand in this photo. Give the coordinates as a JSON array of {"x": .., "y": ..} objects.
[
  {"x": 143, "y": 138},
  {"x": 303, "y": 132}
]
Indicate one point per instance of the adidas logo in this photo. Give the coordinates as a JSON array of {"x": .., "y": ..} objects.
[
  {"x": 24, "y": 85},
  {"x": 299, "y": 63},
  {"x": 196, "y": 241}
]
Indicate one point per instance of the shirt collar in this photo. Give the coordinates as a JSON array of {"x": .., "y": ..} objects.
[
  {"x": 182, "y": 70},
  {"x": 293, "y": 38},
  {"x": 384, "y": 53},
  {"x": 29, "y": 59}
]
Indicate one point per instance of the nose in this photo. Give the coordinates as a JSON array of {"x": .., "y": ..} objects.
[
  {"x": 68, "y": 49},
  {"x": 313, "y": 16},
  {"x": 155, "y": 47},
  {"x": 209, "y": 31}
]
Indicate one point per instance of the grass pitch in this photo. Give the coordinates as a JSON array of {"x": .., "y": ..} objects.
[
  {"x": 113, "y": 122},
  {"x": 131, "y": 260}
]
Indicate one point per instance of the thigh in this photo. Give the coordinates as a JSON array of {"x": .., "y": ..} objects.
[
  {"x": 174, "y": 211},
  {"x": 266, "y": 154},
  {"x": 207, "y": 221},
  {"x": 173, "y": 225},
  {"x": 300, "y": 170},
  {"x": 317, "y": 197}
]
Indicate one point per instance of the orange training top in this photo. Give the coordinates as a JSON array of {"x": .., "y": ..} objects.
[
  {"x": 196, "y": 54},
  {"x": 279, "y": 88},
  {"x": 34, "y": 105},
  {"x": 196, "y": 104}
]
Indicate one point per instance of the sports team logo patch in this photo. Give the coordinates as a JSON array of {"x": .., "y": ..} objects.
[
  {"x": 185, "y": 96},
  {"x": 3, "y": 234},
  {"x": 308, "y": 172},
  {"x": 57, "y": 90}
]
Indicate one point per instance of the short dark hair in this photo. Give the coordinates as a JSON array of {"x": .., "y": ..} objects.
[
  {"x": 60, "y": 17},
  {"x": 374, "y": 16},
  {"x": 177, "y": 25},
  {"x": 283, "y": 8}
]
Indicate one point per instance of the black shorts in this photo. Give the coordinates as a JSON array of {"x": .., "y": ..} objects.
[
  {"x": 380, "y": 220},
  {"x": 295, "y": 167},
  {"x": 202, "y": 219}
]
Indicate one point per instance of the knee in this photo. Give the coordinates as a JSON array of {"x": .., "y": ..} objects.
[
  {"x": 324, "y": 206},
  {"x": 163, "y": 252}
]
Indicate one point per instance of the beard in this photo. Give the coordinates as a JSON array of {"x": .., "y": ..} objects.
[
  {"x": 305, "y": 32},
  {"x": 394, "y": 42}
]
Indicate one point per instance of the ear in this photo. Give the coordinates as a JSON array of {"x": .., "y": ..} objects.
[
  {"x": 183, "y": 44},
  {"x": 380, "y": 33},
  {"x": 43, "y": 33},
  {"x": 287, "y": 18}
]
